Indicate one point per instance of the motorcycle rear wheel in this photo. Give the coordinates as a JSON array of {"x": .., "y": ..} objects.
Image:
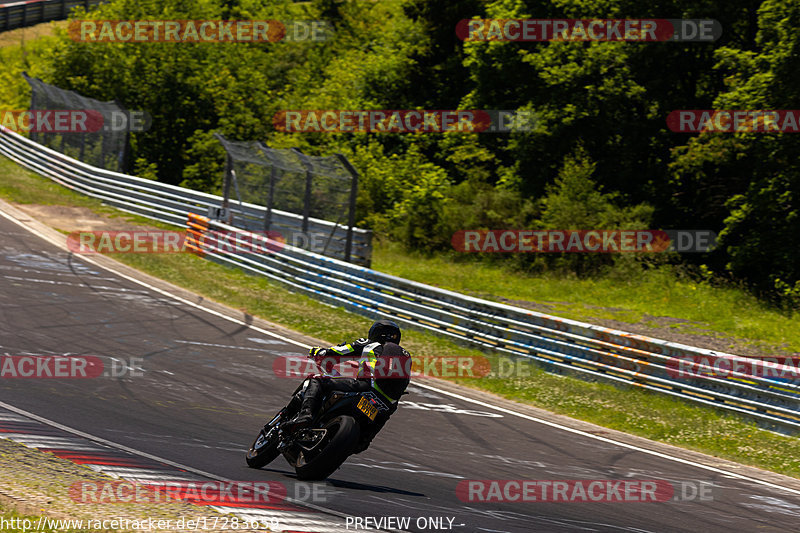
[{"x": 340, "y": 439}]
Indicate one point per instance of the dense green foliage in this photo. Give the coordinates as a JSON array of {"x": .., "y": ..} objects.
[{"x": 600, "y": 155}]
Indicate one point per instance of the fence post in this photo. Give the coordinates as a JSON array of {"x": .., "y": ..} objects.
[
  {"x": 124, "y": 160},
  {"x": 351, "y": 222},
  {"x": 273, "y": 177},
  {"x": 309, "y": 178},
  {"x": 226, "y": 184},
  {"x": 24, "y": 15},
  {"x": 226, "y": 180},
  {"x": 63, "y": 9},
  {"x": 123, "y": 157},
  {"x": 34, "y": 136},
  {"x": 42, "y": 12}
]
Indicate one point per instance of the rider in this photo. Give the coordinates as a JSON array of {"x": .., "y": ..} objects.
[{"x": 381, "y": 342}]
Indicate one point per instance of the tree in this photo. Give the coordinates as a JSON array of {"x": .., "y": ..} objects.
[{"x": 760, "y": 241}]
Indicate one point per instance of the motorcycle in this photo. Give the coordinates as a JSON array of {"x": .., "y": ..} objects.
[{"x": 345, "y": 425}]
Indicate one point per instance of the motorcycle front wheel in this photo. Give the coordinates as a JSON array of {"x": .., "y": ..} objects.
[{"x": 264, "y": 449}]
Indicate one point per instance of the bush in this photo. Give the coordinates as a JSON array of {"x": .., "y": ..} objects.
[{"x": 576, "y": 202}]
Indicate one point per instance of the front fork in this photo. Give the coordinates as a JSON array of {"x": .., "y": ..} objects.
[
  {"x": 297, "y": 399},
  {"x": 291, "y": 409}
]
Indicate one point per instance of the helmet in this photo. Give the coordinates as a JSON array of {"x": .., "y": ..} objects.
[{"x": 384, "y": 331}]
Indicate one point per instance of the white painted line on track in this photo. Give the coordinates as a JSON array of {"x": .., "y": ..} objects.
[
  {"x": 429, "y": 387},
  {"x": 56, "y": 282},
  {"x": 316, "y": 518},
  {"x": 153, "y": 288},
  {"x": 611, "y": 441},
  {"x": 227, "y": 346}
]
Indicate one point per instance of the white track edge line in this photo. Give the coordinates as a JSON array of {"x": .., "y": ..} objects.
[
  {"x": 610, "y": 441},
  {"x": 154, "y": 288},
  {"x": 146, "y": 455},
  {"x": 132, "y": 450},
  {"x": 452, "y": 394}
]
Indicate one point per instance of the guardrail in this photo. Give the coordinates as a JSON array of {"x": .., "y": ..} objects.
[
  {"x": 171, "y": 204},
  {"x": 558, "y": 344},
  {"x": 30, "y": 12}
]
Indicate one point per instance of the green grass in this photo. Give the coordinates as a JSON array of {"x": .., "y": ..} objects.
[
  {"x": 13, "y": 522},
  {"x": 15, "y": 187},
  {"x": 700, "y": 307},
  {"x": 633, "y": 410},
  {"x": 20, "y": 36},
  {"x": 20, "y": 51}
]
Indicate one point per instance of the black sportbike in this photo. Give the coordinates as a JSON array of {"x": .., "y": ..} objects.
[{"x": 344, "y": 425}]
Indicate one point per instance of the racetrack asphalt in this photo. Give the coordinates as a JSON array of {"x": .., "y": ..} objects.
[{"x": 202, "y": 385}]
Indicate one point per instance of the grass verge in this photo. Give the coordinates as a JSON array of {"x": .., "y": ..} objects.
[
  {"x": 635, "y": 411},
  {"x": 20, "y": 36},
  {"x": 637, "y": 298},
  {"x": 20, "y": 51},
  {"x": 13, "y": 522}
]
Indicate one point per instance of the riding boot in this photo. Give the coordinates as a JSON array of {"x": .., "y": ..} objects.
[{"x": 309, "y": 405}]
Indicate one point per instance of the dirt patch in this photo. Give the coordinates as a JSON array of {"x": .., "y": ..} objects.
[
  {"x": 709, "y": 340},
  {"x": 69, "y": 219}
]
